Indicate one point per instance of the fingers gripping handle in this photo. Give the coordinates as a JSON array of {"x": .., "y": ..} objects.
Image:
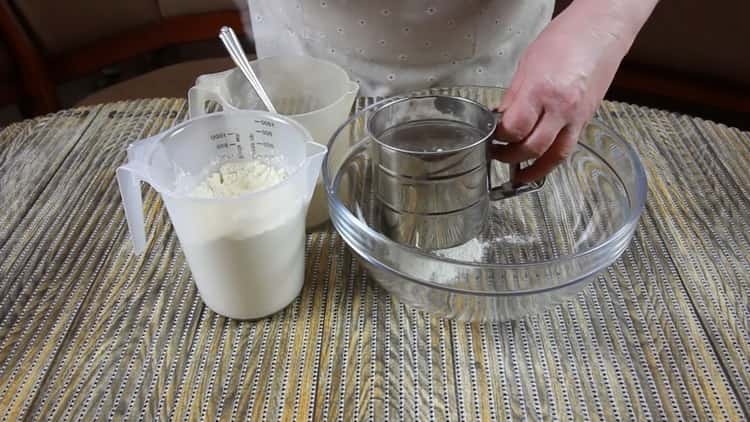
[
  {"x": 511, "y": 188},
  {"x": 130, "y": 190}
]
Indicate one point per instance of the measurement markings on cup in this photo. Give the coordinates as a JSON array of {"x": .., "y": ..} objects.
[{"x": 227, "y": 142}]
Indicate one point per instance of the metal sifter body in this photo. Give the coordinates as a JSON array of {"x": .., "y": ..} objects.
[{"x": 432, "y": 169}]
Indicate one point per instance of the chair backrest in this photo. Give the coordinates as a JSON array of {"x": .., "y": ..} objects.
[{"x": 57, "y": 41}]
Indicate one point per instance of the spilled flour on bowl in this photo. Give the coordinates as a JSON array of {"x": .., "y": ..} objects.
[
  {"x": 471, "y": 251},
  {"x": 436, "y": 270}
]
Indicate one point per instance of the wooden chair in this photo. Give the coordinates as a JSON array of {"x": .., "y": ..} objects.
[
  {"x": 41, "y": 73},
  {"x": 36, "y": 84}
]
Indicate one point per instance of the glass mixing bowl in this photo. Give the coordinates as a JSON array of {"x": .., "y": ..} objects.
[{"x": 535, "y": 250}]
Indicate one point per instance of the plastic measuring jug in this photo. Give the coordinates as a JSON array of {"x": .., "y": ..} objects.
[
  {"x": 246, "y": 253},
  {"x": 316, "y": 93}
]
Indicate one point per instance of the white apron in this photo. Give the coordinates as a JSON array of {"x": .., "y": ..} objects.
[{"x": 394, "y": 46}]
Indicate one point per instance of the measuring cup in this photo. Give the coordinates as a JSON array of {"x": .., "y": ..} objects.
[
  {"x": 432, "y": 166},
  {"x": 316, "y": 93},
  {"x": 246, "y": 253}
]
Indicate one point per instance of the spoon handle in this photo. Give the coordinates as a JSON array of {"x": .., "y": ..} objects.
[{"x": 235, "y": 50}]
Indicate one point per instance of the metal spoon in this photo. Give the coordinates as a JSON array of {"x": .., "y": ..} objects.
[{"x": 235, "y": 50}]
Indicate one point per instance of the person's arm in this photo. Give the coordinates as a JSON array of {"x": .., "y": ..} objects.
[{"x": 561, "y": 79}]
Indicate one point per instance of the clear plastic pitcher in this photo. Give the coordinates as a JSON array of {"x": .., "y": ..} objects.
[
  {"x": 316, "y": 93},
  {"x": 246, "y": 253}
]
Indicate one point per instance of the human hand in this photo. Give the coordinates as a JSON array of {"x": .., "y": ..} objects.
[{"x": 561, "y": 79}]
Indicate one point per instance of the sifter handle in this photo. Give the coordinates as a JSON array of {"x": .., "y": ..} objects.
[{"x": 510, "y": 188}]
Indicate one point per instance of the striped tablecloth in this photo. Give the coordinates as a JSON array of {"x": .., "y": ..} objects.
[{"x": 90, "y": 331}]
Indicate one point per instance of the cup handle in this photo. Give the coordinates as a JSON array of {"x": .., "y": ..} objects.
[
  {"x": 197, "y": 98},
  {"x": 206, "y": 88},
  {"x": 130, "y": 190},
  {"x": 511, "y": 188}
]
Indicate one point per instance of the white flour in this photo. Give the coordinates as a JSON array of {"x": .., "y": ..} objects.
[
  {"x": 248, "y": 257},
  {"x": 471, "y": 251},
  {"x": 237, "y": 178}
]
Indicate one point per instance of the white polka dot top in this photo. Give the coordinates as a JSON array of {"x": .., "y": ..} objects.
[{"x": 394, "y": 46}]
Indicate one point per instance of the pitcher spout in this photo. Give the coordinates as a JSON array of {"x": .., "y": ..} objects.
[{"x": 313, "y": 163}]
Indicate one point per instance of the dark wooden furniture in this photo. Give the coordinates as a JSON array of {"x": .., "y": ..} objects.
[
  {"x": 691, "y": 94},
  {"x": 36, "y": 83},
  {"x": 40, "y": 74}
]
